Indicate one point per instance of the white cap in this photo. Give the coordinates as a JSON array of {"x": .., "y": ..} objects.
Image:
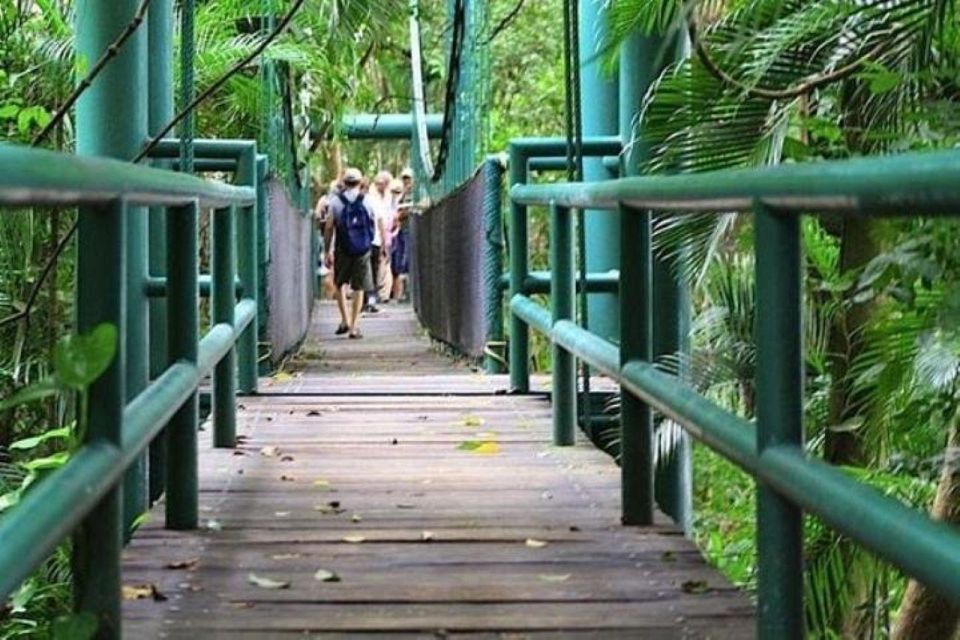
[{"x": 352, "y": 176}]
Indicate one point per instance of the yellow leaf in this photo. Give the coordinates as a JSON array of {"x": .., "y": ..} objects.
[
  {"x": 488, "y": 448},
  {"x": 533, "y": 543},
  {"x": 560, "y": 577},
  {"x": 354, "y": 539},
  {"x": 282, "y": 376},
  {"x": 320, "y": 483}
]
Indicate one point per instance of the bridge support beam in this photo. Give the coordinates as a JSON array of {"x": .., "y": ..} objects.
[
  {"x": 111, "y": 121},
  {"x": 562, "y": 303},
  {"x": 598, "y": 94}
]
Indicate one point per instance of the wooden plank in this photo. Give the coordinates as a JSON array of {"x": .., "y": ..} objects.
[{"x": 384, "y": 448}]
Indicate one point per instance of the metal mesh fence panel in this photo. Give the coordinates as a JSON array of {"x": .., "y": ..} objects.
[{"x": 447, "y": 268}]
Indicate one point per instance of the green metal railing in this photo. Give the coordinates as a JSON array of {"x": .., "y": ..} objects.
[
  {"x": 772, "y": 450},
  {"x": 83, "y": 497}
]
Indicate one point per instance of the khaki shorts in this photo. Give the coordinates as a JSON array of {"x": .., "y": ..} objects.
[{"x": 353, "y": 270}]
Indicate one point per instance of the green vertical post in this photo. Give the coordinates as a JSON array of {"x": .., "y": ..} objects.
[
  {"x": 598, "y": 95},
  {"x": 493, "y": 261},
  {"x": 160, "y": 112},
  {"x": 263, "y": 250},
  {"x": 182, "y": 326},
  {"x": 562, "y": 302},
  {"x": 101, "y": 297},
  {"x": 247, "y": 271},
  {"x": 224, "y": 303},
  {"x": 519, "y": 331},
  {"x": 187, "y": 89},
  {"x": 636, "y": 291},
  {"x": 779, "y": 420},
  {"x": 636, "y": 336},
  {"x": 110, "y": 127}
]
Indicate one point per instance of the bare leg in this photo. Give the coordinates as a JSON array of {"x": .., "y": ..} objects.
[
  {"x": 342, "y": 305},
  {"x": 355, "y": 310}
]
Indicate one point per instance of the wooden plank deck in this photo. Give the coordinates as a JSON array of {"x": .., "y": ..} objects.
[{"x": 352, "y": 466}]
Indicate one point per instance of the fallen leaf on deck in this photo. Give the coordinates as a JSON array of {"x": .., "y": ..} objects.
[
  {"x": 695, "y": 586},
  {"x": 426, "y": 536},
  {"x": 355, "y": 518},
  {"x": 533, "y": 543},
  {"x": 477, "y": 446},
  {"x": 286, "y": 478},
  {"x": 471, "y": 420},
  {"x": 270, "y": 452},
  {"x": 326, "y": 576},
  {"x": 142, "y": 592},
  {"x": 321, "y": 483},
  {"x": 267, "y": 583},
  {"x": 560, "y": 577},
  {"x": 285, "y": 556},
  {"x": 281, "y": 514},
  {"x": 406, "y": 505},
  {"x": 213, "y": 525},
  {"x": 282, "y": 376},
  {"x": 354, "y": 539},
  {"x": 314, "y": 413},
  {"x": 286, "y": 458},
  {"x": 327, "y": 509},
  {"x": 189, "y": 563},
  {"x": 239, "y": 453}
]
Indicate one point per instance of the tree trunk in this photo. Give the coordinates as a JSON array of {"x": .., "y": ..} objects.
[{"x": 924, "y": 614}]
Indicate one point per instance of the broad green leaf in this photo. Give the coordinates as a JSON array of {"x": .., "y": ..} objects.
[
  {"x": 35, "y": 441},
  {"x": 31, "y": 393},
  {"x": 47, "y": 463},
  {"x": 80, "y": 359}
]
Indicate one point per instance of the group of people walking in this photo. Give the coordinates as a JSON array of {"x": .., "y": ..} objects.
[{"x": 366, "y": 241}]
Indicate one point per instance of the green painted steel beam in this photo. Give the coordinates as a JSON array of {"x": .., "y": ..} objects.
[
  {"x": 539, "y": 282},
  {"x": 563, "y": 306},
  {"x": 388, "y": 126},
  {"x": 209, "y": 148},
  {"x": 223, "y": 304},
  {"x": 559, "y": 163},
  {"x": 160, "y": 111},
  {"x": 247, "y": 271},
  {"x": 36, "y": 177},
  {"x": 493, "y": 281},
  {"x": 156, "y": 286},
  {"x": 925, "y": 183},
  {"x": 549, "y": 147}
]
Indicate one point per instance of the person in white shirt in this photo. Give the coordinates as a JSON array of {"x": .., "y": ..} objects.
[{"x": 379, "y": 199}]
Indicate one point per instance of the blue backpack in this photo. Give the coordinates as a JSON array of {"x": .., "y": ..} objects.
[{"x": 355, "y": 228}]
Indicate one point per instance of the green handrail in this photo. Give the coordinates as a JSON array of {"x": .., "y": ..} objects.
[
  {"x": 790, "y": 481},
  {"x": 106, "y": 190}
]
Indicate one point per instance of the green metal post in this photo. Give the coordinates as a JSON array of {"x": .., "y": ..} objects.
[
  {"x": 519, "y": 331},
  {"x": 160, "y": 111},
  {"x": 182, "y": 327},
  {"x": 247, "y": 271},
  {"x": 779, "y": 420},
  {"x": 263, "y": 250},
  {"x": 224, "y": 306},
  {"x": 598, "y": 95},
  {"x": 562, "y": 302},
  {"x": 101, "y": 297},
  {"x": 636, "y": 336},
  {"x": 493, "y": 261}
]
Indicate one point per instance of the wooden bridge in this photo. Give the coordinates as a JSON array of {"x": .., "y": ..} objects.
[{"x": 383, "y": 490}]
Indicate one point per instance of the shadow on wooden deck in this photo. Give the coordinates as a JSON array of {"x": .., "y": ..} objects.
[{"x": 435, "y": 501}]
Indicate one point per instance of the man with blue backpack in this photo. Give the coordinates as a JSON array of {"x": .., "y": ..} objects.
[{"x": 348, "y": 237}]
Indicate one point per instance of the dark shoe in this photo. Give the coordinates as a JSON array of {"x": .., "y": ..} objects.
[
  {"x": 372, "y": 309},
  {"x": 342, "y": 329}
]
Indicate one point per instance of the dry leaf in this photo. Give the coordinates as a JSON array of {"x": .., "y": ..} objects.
[
  {"x": 426, "y": 536},
  {"x": 314, "y": 413},
  {"x": 267, "y": 583},
  {"x": 286, "y": 478},
  {"x": 285, "y": 556},
  {"x": 281, "y": 514},
  {"x": 479, "y": 447},
  {"x": 286, "y": 458},
  {"x": 142, "y": 592},
  {"x": 695, "y": 586},
  {"x": 406, "y": 505},
  {"x": 356, "y": 518},
  {"x": 189, "y": 563},
  {"x": 320, "y": 483},
  {"x": 533, "y": 543},
  {"x": 323, "y": 575},
  {"x": 213, "y": 525},
  {"x": 270, "y": 452},
  {"x": 354, "y": 539},
  {"x": 471, "y": 420},
  {"x": 560, "y": 577},
  {"x": 282, "y": 376},
  {"x": 328, "y": 510}
]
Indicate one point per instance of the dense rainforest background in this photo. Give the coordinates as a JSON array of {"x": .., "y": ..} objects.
[{"x": 763, "y": 82}]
